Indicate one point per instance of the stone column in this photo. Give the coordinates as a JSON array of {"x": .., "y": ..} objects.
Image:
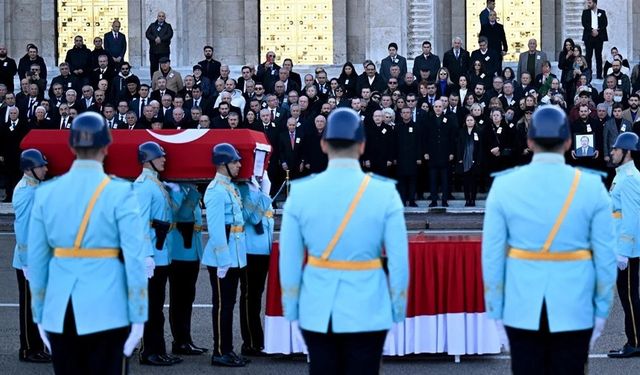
[{"x": 621, "y": 26}]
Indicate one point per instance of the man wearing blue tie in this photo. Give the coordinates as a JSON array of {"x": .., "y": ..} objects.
[
  {"x": 547, "y": 255},
  {"x": 347, "y": 303},
  {"x": 115, "y": 43},
  {"x": 86, "y": 257}
]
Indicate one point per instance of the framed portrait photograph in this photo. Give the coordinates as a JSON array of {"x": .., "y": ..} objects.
[{"x": 584, "y": 145}]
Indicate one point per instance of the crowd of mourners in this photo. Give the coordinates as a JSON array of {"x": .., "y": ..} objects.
[{"x": 445, "y": 125}]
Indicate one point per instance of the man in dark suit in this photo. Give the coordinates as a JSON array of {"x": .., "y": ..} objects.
[
  {"x": 489, "y": 58},
  {"x": 295, "y": 77},
  {"x": 162, "y": 89},
  {"x": 594, "y": 23},
  {"x": 371, "y": 79},
  {"x": 427, "y": 62},
  {"x": 137, "y": 104},
  {"x": 210, "y": 67},
  {"x": 115, "y": 43},
  {"x": 392, "y": 59},
  {"x": 456, "y": 60},
  {"x": 101, "y": 72},
  {"x": 440, "y": 150},
  {"x": 11, "y": 134},
  {"x": 496, "y": 38},
  {"x": 484, "y": 15},
  {"x": 290, "y": 149},
  {"x": 8, "y": 69},
  {"x": 197, "y": 100},
  {"x": 159, "y": 34}
]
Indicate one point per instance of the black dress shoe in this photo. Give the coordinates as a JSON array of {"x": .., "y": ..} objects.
[
  {"x": 627, "y": 351},
  {"x": 157, "y": 360},
  {"x": 227, "y": 360},
  {"x": 171, "y": 358},
  {"x": 433, "y": 204},
  {"x": 451, "y": 197},
  {"x": 36, "y": 357},
  {"x": 467, "y": 204},
  {"x": 187, "y": 349},
  {"x": 445, "y": 204},
  {"x": 253, "y": 352},
  {"x": 413, "y": 204}
]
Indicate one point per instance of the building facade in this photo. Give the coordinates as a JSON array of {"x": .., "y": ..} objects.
[{"x": 312, "y": 32}]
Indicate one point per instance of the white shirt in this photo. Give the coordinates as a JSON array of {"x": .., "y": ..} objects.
[{"x": 594, "y": 19}]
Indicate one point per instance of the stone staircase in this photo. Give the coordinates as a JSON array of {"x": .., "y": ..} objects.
[{"x": 571, "y": 14}]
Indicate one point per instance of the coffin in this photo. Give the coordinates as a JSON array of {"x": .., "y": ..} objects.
[{"x": 188, "y": 151}]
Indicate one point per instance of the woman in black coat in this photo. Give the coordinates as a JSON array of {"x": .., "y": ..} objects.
[
  {"x": 349, "y": 79},
  {"x": 469, "y": 156}
]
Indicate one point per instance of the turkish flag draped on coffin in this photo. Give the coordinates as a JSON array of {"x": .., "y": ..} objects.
[{"x": 188, "y": 151}]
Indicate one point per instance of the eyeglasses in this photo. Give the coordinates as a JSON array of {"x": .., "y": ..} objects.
[
  {"x": 411, "y": 100},
  {"x": 259, "y": 88},
  {"x": 393, "y": 82}
]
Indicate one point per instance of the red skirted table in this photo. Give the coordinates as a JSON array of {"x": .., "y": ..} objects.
[{"x": 445, "y": 309}]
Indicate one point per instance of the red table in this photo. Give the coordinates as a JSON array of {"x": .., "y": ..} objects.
[{"x": 445, "y": 310}]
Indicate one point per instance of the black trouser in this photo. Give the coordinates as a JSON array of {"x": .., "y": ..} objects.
[
  {"x": 439, "y": 173},
  {"x": 407, "y": 188},
  {"x": 344, "y": 353},
  {"x": 543, "y": 352},
  {"x": 154, "y": 61},
  {"x": 628, "y": 292},
  {"x": 470, "y": 187},
  {"x": 153, "y": 338},
  {"x": 591, "y": 46},
  {"x": 30, "y": 341},
  {"x": 252, "y": 284},
  {"x": 98, "y": 353},
  {"x": 223, "y": 299},
  {"x": 183, "y": 276}
]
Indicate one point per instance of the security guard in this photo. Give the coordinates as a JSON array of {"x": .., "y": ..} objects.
[
  {"x": 34, "y": 165},
  {"x": 225, "y": 254},
  {"x": 553, "y": 286},
  {"x": 186, "y": 252},
  {"x": 625, "y": 195},
  {"x": 156, "y": 212},
  {"x": 258, "y": 217},
  {"x": 86, "y": 260},
  {"x": 346, "y": 303}
]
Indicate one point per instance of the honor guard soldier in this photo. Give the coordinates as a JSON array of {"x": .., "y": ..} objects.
[
  {"x": 156, "y": 212},
  {"x": 225, "y": 254},
  {"x": 86, "y": 260},
  {"x": 346, "y": 303},
  {"x": 258, "y": 217},
  {"x": 34, "y": 165},
  {"x": 553, "y": 286},
  {"x": 186, "y": 253},
  {"x": 625, "y": 196}
]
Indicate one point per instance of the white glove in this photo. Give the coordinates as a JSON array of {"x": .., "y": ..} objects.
[
  {"x": 502, "y": 335},
  {"x": 149, "y": 266},
  {"x": 45, "y": 339},
  {"x": 222, "y": 272},
  {"x": 597, "y": 331},
  {"x": 623, "y": 262},
  {"x": 25, "y": 272},
  {"x": 172, "y": 186},
  {"x": 137, "y": 329}
]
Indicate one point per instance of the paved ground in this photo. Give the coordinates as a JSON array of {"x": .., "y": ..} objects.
[{"x": 440, "y": 364}]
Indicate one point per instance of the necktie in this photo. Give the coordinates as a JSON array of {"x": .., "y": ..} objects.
[
  {"x": 31, "y": 103},
  {"x": 13, "y": 126},
  {"x": 110, "y": 124},
  {"x": 457, "y": 54},
  {"x": 131, "y": 127},
  {"x": 292, "y": 136},
  {"x": 121, "y": 117},
  {"x": 273, "y": 114},
  {"x": 144, "y": 102},
  {"x": 63, "y": 123},
  {"x": 414, "y": 115},
  {"x": 196, "y": 103},
  {"x": 115, "y": 35}
]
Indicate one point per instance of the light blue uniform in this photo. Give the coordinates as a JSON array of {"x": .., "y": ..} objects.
[
  {"x": 224, "y": 207},
  {"x": 22, "y": 203},
  {"x": 522, "y": 207},
  {"x": 354, "y": 300},
  {"x": 625, "y": 197},
  {"x": 155, "y": 203},
  {"x": 106, "y": 293},
  {"x": 187, "y": 202},
  {"x": 256, "y": 207}
]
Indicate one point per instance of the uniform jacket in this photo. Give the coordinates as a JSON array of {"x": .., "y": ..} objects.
[
  {"x": 186, "y": 200},
  {"x": 107, "y": 293},
  {"x": 315, "y": 295},
  {"x": 625, "y": 198},
  {"x": 257, "y": 211},
  {"x": 22, "y": 203},
  {"x": 574, "y": 291},
  {"x": 224, "y": 207},
  {"x": 155, "y": 203}
]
